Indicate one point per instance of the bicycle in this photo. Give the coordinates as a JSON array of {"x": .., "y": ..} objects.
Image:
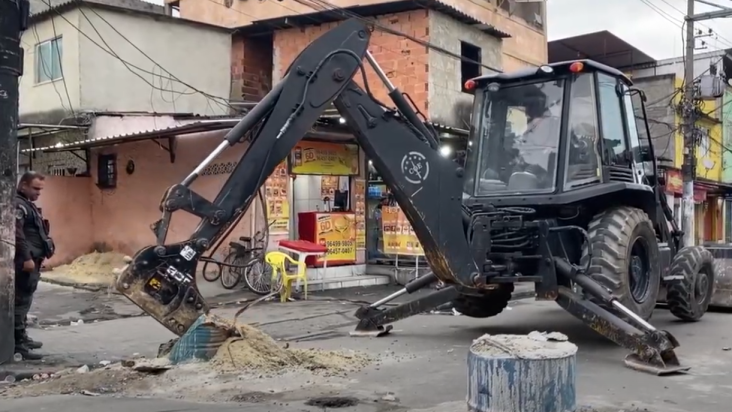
[{"x": 246, "y": 262}]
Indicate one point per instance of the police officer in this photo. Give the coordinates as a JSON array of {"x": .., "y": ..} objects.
[{"x": 32, "y": 245}]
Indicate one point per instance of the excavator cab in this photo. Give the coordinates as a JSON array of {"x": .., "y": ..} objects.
[{"x": 541, "y": 136}]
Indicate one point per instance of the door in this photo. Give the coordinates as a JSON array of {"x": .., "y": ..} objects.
[{"x": 612, "y": 122}]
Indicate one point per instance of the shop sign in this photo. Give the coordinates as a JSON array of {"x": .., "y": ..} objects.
[
  {"x": 337, "y": 232},
  {"x": 278, "y": 205},
  {"x": 399, "y": 237},
  {"x": 674, "y": 182},
  {"x": 700, "y": 195},
  {"x": 323, "y": 158}
]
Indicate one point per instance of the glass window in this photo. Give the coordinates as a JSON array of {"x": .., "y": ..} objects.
[
  {"x": 613, "y": 133},
  {"x": 518, "y": 138},
  {"x": 583, "y": 164},
  {"x": 48, "y": 60},
  {"x": 633, "y": 134}
]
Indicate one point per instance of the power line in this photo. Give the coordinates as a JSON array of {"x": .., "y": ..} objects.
[
  {"x": 316, "y": 21},
  {"x": 219, "y": 100},
  {"x": 322, "y": 5},
  {"x": 327, "y": 6}
]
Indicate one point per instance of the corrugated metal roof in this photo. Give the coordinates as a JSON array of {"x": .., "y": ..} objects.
[
  {"x": 195, "y": 127},
  {"x": 344, "y": 13},
  {"x": 40, "y": 7},
  {"x": 602, "y": 46}
]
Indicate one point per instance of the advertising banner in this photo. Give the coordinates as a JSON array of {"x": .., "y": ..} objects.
[
  {"x": 399, "y": 238},
  {"x": 359, "y": 206},
  {"x": 278, "y": 207},
  {"x": 337, "y": 232},
  {"x": 323, "y": 158}
]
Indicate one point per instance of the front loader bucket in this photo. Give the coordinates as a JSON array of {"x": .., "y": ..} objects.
[{"x": 722, "y": 297}]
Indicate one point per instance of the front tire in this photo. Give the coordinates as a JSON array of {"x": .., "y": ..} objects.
[
  {"x": 690, "y": 283},
  {"x": 625, "y": 258},
  {"x": 488, "y": 305}
]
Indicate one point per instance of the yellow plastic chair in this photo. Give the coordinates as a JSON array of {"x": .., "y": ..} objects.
[{"x": 277, "y": 261}]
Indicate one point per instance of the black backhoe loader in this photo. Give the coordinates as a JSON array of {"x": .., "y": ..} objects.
[{"x": 557, "y": 191}]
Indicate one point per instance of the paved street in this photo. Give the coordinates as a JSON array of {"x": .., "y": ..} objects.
[{"x": 428, "y": 373}]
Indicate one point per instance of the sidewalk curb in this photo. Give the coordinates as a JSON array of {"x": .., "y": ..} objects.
[{"x": 82, "y": 286}]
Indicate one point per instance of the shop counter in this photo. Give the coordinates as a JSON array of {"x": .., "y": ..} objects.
[{"x": 336, "y": 231}]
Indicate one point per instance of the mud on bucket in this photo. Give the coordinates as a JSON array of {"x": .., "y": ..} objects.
[
  {"x": 202, "y": 340},
  {"x": 522, "y": 373}
]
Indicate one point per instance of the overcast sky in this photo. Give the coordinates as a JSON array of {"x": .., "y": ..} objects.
[{"x": 654, "y": 26}]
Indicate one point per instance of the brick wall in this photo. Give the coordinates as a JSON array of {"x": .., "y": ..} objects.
[
  {"x": 404, "y": 61},
  {"x": 251, "y": 67},
  {"x": 449, "y": 105}
]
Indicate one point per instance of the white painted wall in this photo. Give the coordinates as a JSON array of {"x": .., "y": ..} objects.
[
  {"x": 197, "y": 55},
  {"x": 97, "y": 81},
  {"x": 51, "y": 96}
]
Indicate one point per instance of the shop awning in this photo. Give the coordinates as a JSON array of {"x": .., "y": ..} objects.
[
  {"x": 173, "y": 131},
  {"x": 27, "y": 130}
]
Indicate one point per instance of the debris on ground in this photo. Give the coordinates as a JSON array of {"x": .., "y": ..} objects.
[
  {"x": 93, "y": 268},
  {"x": 111, "y": 379},
  {"x": 255, "y": 351}
]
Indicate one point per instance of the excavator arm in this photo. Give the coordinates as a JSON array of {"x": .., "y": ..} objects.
[{"x": 428, "y": 188}]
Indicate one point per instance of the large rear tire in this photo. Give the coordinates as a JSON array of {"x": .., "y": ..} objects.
[
  {"x": 486, "y": 306},
  {"x": 625, "y": 258},
  {"x": 690, "y": 283}
]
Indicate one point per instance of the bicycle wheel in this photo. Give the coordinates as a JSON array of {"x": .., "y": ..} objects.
[
  {"x": 232, "y": 275},
  {"x": 258, "y": 277},
  {"x": 211, "y": 276}
]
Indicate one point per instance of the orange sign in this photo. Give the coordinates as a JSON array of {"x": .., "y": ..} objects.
[
  {"x": 359, "y": 196},
  {"x": 278, "y": 205},
  {"x": 322, "y": 158},
  {"x": 674, "y": 182}
]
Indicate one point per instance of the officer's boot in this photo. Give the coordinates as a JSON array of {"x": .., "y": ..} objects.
[
  {"x": 30, "y": 343},
  {"x": 22, "y": 349}
]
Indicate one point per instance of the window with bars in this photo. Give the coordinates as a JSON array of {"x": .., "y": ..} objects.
[{"x": 48, "y": 60}]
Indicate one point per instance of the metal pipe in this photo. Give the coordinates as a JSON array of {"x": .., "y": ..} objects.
[
  {"x": 389, "y": 85},
  {"x": 237, "y": 132},
  {"x": 617, "y": 305},
  {"x": 389, "y": 298}
]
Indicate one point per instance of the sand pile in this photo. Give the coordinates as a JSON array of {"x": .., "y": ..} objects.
[
  {"x": 257, "y": 352},
  {"x": 92, "y": 268}
]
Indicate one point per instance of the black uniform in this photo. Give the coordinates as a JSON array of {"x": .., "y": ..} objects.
[{"x": 32, "y": 242}]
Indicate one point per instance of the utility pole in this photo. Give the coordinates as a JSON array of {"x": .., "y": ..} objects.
[
  {"x": 13, "y": 20},
  {"x": 688, "y": 169}
]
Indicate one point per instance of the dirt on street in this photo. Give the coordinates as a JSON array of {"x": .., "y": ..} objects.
[
  {"x": 251, "y": 356},
  {"x": 257, "y": 352}
]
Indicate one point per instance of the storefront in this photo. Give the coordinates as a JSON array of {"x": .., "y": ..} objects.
[
  {"x": 328, "y": 193},
  {"x": 708, "y": 206},
  {"x": 319, "y": 195}
]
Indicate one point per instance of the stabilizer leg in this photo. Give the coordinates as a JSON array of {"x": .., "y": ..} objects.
[
  {"x": 653, "y": 349},
  {"x": 374, "y": 321}
]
